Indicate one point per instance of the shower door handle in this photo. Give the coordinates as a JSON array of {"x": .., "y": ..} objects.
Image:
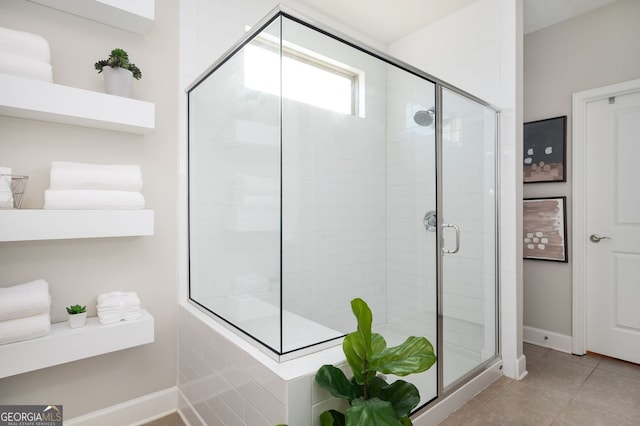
[{"x": 451, "y": 225}]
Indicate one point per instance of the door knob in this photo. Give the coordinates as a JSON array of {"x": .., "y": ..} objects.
[{"x": 595, "y": 238}]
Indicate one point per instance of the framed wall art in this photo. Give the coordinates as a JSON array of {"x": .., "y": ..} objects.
[
  {"x": 544, "y": 229},
  {"x": 545, "y": 150}
]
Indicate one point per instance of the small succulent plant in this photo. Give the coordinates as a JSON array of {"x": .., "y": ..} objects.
[
  {"x": 76, "y": 309},
  {"x": 119, "y": 59}
]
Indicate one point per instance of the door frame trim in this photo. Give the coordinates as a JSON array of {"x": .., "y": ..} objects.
[{"x": 579, "y": 231}]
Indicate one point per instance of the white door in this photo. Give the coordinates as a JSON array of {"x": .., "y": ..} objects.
[{"x": 612, "y": 225}]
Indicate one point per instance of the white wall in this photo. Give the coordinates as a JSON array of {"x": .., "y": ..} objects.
[
  {"x": 77, "y": 270},
  {"x": 592, "y": 50},
  {"x": 477, "y": 49}
]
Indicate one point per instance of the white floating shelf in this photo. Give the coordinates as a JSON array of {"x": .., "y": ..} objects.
[
  {"x": 30, "y": 225},
  {"x": 64, "y": 344},
  {"x": 135, "y": 16},
  {"x": 39, "y": 100}
]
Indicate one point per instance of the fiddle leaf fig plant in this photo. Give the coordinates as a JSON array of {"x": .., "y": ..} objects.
[
  {"x": 373, "y": 401},
  {"x": 119, "y": 58}
]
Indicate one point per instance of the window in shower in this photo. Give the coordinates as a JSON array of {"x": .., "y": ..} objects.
[{"x": 306, "y": 76}]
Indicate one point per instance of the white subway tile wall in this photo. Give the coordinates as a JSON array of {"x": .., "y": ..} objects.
[{"x": 223, "y": 383}]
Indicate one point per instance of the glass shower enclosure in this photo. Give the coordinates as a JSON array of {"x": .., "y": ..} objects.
[{"x": 321, "y": 170}]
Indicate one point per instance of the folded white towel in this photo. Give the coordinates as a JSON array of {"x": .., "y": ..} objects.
[
  {"x": 17, "y": 330},
  {"x": 24, "y": 44},
  {"x": 68, "y": 175},
  {"x": 118, "y": 309},
  {"x": 118, "y": 299},
  {"x": 24, "y": 300},
  {"x": 90, "y": 199},
  {"x": 21, "y": 66},
  {"x": 113, "y": 317},
  {"x": 118, "y": 306}
]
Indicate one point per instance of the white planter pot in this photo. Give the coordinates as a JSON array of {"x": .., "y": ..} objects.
[
  {"x": 77, "y": 320},
  {"x": 117, "y": 81}
]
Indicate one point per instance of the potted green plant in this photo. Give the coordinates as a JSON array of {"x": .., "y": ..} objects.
[
  {"x": 118, "y": 72},
  {"x": 77, "y": 315},
  {"x": 373, "y": 401}
]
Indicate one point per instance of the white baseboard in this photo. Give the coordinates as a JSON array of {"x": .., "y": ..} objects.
[
  {"x": 515, "y": 368},
  {"x": 547, "y": 339},
  {"x": 134, "y": 412},
  {"x": 189, "y": 414}
]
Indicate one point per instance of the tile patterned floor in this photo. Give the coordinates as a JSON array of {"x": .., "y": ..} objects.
[
  {"x": 170, "y": 420},
  {"x": 560, "y": 389}
]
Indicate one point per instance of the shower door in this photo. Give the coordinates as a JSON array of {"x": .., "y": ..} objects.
[{"x": 468, "y": 235}]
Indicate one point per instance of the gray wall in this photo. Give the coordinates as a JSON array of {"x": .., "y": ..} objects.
[
  {"x": 77, "y": 270},
  {"x": 592, "y": 50}
]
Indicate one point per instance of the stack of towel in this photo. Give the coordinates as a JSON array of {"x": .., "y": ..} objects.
[
  {"x": 6, "y": 196},
  {"x": 118, "y": 306},
  {"x": 24, "y": 311},
  {"x": 25, "y": 55},
  {"x": 83, "y": 186}
]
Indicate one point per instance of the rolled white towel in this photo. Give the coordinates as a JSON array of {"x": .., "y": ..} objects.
[
  {"x": 24, "y": 44},
  {"x": 69, "y": 175},
  {"x": 90, "y": 199},
  {"x": 6, "y": 196},
  {"x": 21, "y": 66},
  {"x": 5, "y": 179},
  {"x": 118, "y": 299},
  {"x": 24, "y": 300},
  {"x": 17, "y": 330}
]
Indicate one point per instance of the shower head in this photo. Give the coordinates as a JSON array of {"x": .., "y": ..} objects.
[{"x": 425, "y": 117}]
